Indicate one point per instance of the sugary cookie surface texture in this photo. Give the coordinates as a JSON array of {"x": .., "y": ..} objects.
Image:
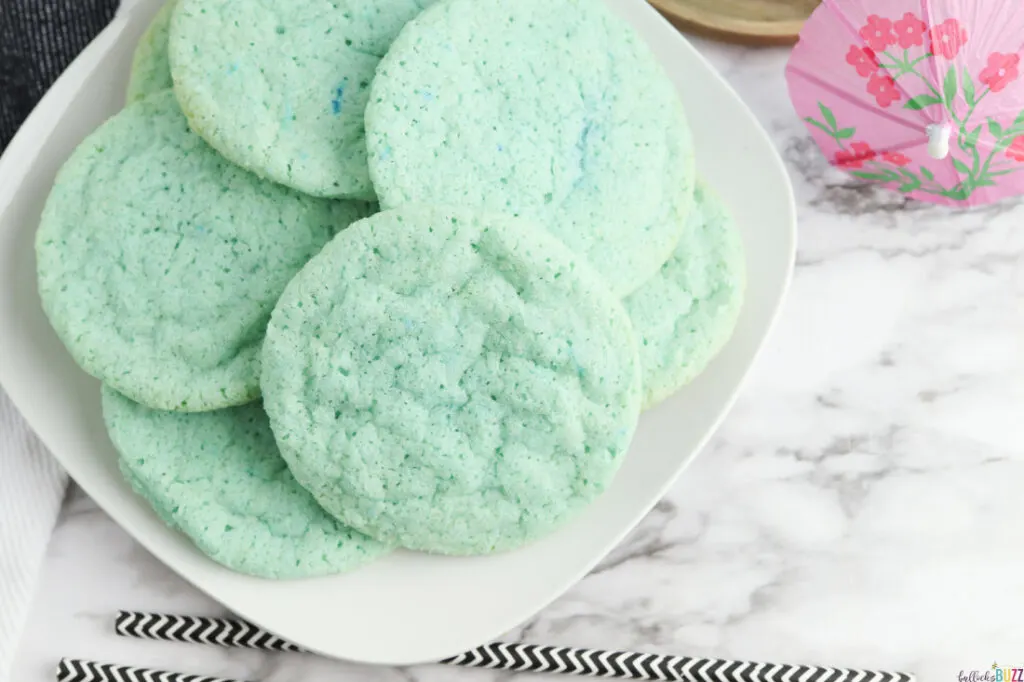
[
  {"x": 280, "y": 87},
  {"x": 553, "y": 110},
  {"x": 685, "y": 314},
  {"x": 450, "y": 381},
  {"x": 159, "y": 262},
  {"x": 151, "y": 68},
  {"x": 218, "y": 478}
]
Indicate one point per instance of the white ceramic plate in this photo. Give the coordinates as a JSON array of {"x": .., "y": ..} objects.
[{"x": 407, "y": 608}]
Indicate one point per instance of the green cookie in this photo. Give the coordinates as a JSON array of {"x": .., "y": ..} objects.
[
  {"x": 449, "y": 381},
  {"x": 159, "y": 262},
  {"x": 151, "y": 70},
  {"x": 280, "y": 88},
  {"x": 685, "y": 314},
  {"x": 552, "y": 110},
  {"x": 218, "y": 478}
]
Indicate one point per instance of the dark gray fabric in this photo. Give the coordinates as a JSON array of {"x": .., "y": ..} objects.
[{"x": 38, "y": 39}]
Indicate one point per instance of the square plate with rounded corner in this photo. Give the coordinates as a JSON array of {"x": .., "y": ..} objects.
[{"x": 407, "y": 607}]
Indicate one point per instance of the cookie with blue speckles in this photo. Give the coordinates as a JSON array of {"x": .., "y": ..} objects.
[
  {"x": 685, "y": 314},
  {"x": 159, "y": 262},
  {"x": 280, "y": 88},
  {"x": 450, "y": 381},
  {"x": 218, "y": 478},
  {"x": 151, "y": 69},
  {"x": 552, "y": 110}
]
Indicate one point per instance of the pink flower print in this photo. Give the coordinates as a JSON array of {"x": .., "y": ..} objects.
[
  {"x": 896, "y": 158},
  {"x": 1016, "y": 150},
  {"x": 855, "y": 157},
  {"x": 877, "y": 33},
  {"x": 864, "y": 59},
  {"x": 947, "y": 38},
  {"x": 884, "y": 89},
  {"x": 910, "y": 31},
  {"x": 1001, "y": 71}
]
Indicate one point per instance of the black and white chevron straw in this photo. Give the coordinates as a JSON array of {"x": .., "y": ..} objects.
[
  {"x": 73, "y": 670},
  {"x": 501, "y": 656},
  {"x": 198, "y": 630}
]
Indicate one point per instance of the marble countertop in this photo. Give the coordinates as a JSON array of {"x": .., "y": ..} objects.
[{"x": 863, "y": 504}]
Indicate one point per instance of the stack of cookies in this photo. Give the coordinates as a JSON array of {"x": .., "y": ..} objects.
[{"x": 367, "y": 274}]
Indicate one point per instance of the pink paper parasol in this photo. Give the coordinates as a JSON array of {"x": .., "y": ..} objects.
[{"x": 923, "y": 96}]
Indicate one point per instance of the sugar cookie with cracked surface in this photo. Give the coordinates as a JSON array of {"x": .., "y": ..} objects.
[
  {"x": 151, "y": 70},
  {"x": 685, "y": 314},
  {"x": 219, "y": 478},
  {"x": 280, "y": 88},
  {"x": 450, "y": 381},
  {"x": 551, "y": 110},
  {"x": 159, "y": 262}
]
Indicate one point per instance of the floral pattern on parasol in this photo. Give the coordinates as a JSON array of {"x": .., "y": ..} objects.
[{"x": 923, "y": 96}]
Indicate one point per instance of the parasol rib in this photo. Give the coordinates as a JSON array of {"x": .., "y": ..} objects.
[{"x": 811, "y": 78}]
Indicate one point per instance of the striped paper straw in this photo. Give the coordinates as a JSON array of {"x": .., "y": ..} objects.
[
  {"x": 74, "y": 670},
  {"x": 512, "y": 657}
]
